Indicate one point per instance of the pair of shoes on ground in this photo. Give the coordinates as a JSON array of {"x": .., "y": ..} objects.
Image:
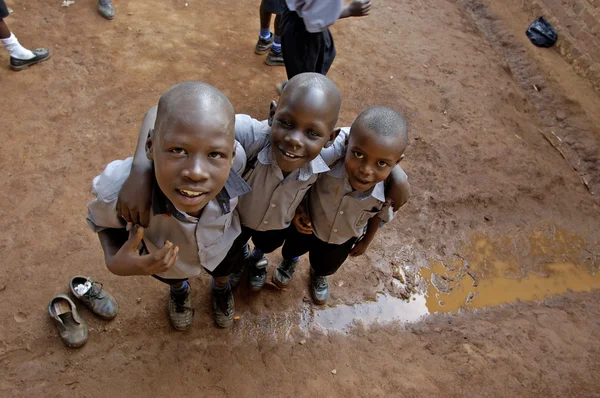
[
  {"x": 274, "y": 58},
  {"x": 181, "y": 312},
  {"x": 72, "y": 328},
  {"x": 282, "y": 277}
]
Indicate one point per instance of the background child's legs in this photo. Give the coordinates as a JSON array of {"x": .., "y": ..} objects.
[
  {"x": 304, "y": 51},
  {"x": 326, "y": 258},
  {"x": 268, "y": 241}
]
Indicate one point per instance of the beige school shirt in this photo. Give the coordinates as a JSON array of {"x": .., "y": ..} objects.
[
  {"x": 272, "y": 203},
  {"x": 338, "y": 212},
  {"x": 203, "y": 242}
]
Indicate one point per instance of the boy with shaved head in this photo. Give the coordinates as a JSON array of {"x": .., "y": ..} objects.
[
  {"x": 194, "y": 188},
  {"x": 347, "y": 205}
]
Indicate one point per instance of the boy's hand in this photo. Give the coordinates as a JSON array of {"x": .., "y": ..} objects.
[
  {"x": 302, "y": 221},
  {"x": 135, "y": 197},
  {"x": 359, "y": 8},
  {"x": 359, "y": 248},
  {"x": 128, "y": 261}
]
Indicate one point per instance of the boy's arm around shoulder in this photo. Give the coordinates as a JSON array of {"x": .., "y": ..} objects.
[
  {"x": 135, "y": 197},
  {"x": 398, "y": 188},
  {"x": 252, "y": 134},
  {"x": 337, "y": 149}
]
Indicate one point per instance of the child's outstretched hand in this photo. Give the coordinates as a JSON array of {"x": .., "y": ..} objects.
[
  {"x": 359, "y": 8},
  {"x": 127, "y": 261},
  {"x": 135, "y": 197},
  {"x": 359, "y": 248},
  {"x": 302, "y": 221}
]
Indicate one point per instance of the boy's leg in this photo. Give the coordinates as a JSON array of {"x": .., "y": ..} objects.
[
  {"x": 300, "y": 48},
  {"x": 20, "y": 57},
  {"x": 222, "y": 296},
  {"x": 240, "y": 244},
  {"x": 264, "y": 242},
  {"x": 180, "y": 308},
  {"x": 325, "y": 259},
  {"x": 296, "y": 244},
  {"x": 326, "y": 53},
  {"x": 265, "y": 37}
]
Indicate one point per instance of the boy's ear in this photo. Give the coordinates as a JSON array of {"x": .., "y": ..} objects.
[
  {"x": 272, "y": 110},
  {"x": 332, "y": 137},
  {"x": 149, "y": 145}
]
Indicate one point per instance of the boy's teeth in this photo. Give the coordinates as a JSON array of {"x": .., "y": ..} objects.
[
  {"x": 290, "y": 155},
  {"x": 190, "y": 193}
]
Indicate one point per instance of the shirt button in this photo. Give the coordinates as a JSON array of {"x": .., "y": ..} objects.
[
  {"x": 265, "y": 222},
  {"x": 342, "y": 212},
  {"x": 273, "y": 205},
  {"x": 335, "y": 230}
]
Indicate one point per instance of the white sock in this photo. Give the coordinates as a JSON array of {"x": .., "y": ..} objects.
[{"x": 15, "y": 49}]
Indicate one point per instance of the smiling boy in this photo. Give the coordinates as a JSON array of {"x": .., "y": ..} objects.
[{"x": 195, "y": 187}]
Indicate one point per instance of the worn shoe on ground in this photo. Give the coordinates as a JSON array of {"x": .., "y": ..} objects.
[
  {"x": 263, "y": 45},
  {"x": 223, "y": 306},
  {"x": 41, "y": 55},
  {"x": 95, "y": 298},
  {"x": 180, "y": 309},
  {"x": 258, "y": 273},
  {"x": 274, "y": 58},
  {"x": 73, "y": 330},
  {"x": 320, "y": 288},
  {"x": 106, "y": 9},
  {"x": 284, "y": 272}
]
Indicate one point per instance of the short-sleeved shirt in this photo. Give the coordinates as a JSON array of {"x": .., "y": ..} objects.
[
  {"x": 203, "y": 242},
  {"x": 318, "y": 15},
  {"x": 272, "y": 203},
  {"x": 338, "y": 212}
]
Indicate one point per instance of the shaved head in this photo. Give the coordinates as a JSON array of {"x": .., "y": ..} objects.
[
  {"x": 304, "y": 83},
  {"x": 189, "y": 100},
  {"x": 384, "y": 122}
]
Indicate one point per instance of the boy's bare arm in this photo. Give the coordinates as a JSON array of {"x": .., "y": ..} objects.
[
  {"x": 362, "y": 245},
  {"x": 357, "y": 8},
  {"x": 398, "y": 190},
  {"x": 135, "y": 197},
  {"x": 121, "y": 253}
]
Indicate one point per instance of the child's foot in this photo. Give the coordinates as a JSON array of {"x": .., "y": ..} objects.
[
  {"x": 40, "y": 55},
  {"x": 284, "y": 272},
  {"x": 223, "y": 305},
  {"x": 320, "y": 288},
  {"x": 258, "y": 273},
  {"x": 180, "y": 308},
  {"x": 274, "y": 58},
  {"x": 263, "y": 45},
  {"x": 236, "y": 276},
  {"x": 106, "y": 9}
]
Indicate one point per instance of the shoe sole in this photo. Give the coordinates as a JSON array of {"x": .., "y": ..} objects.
[
  {"x": 23, "y": 67},
  {"x": 261, "y": 52},
  {"x": 270, "y": 63},
  {"x": 256, "y": 289},
  {"x": 278, "y": 283}
]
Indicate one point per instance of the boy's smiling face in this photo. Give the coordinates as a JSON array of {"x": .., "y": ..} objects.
[
  {"x": 370, "y": 157},
  {"x": 302, "y": 124},
  {"x": 193, "y": 150}
]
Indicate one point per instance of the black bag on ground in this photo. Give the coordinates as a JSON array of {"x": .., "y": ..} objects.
[{"x": 541, "y": 33}]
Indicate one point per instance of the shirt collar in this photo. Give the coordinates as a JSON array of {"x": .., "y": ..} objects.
[
  {"x": 316, "y": 166},
  {"x": 234, "y": 186}
]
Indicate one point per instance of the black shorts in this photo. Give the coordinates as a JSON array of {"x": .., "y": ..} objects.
[
  {"x": 273, "y": 6},
  {"x": 3, "y": 10}
]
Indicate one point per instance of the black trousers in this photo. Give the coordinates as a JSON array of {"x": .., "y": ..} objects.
[
  {"x": 304, "y": 51},
  {"x": 3, "y": 10},
  {"x": 325, "y": 258}
]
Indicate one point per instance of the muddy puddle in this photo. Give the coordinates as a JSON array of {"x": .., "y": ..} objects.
[{"x": 488, "y": 271}]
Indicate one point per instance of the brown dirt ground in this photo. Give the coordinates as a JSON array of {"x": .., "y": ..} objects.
[{"x": 462, "y": 73}]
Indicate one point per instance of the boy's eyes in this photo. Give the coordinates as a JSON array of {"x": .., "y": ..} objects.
[
  {"x": 381, "y": 163},
  {"x": 211, "y": 155},
  {"x": 313, "y": 133},
  {"x": 178, "y": 151},
  {"x": 285, "y": 123},
  {"x": 359, "y": 155},
  {"x": 216, "y": 155}
]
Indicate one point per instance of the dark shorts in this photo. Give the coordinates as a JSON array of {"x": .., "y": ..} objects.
[
  {"x": 3, "y": 10},
  {"x": 273, "y": 6},
  {"x": 304, "y": 51},
  {"x": 325, "y": 258}
]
